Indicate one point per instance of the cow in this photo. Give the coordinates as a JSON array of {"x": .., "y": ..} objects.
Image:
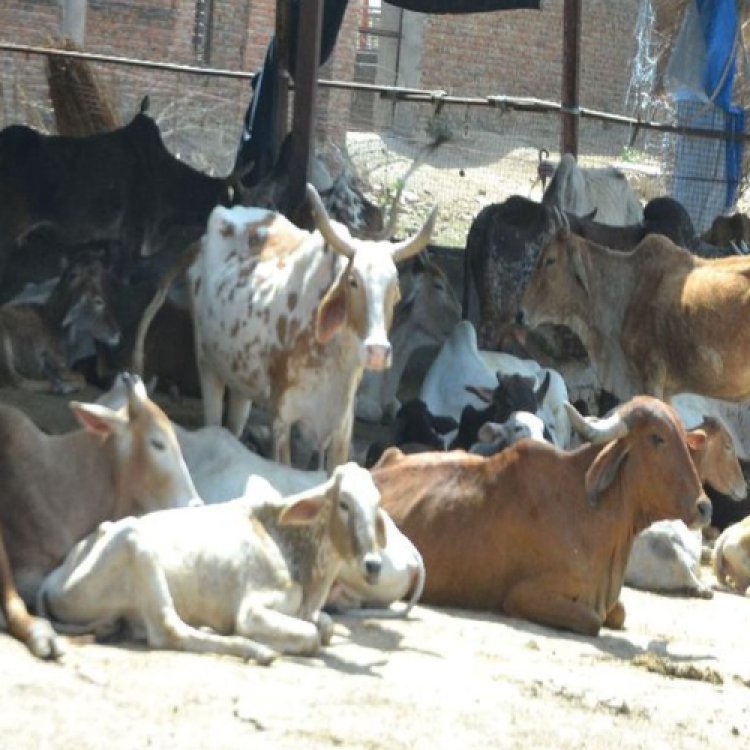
[
  {"x": 731, "y": 556},
  {"x": 726, "y": 230},
  {"x": 583, "y": 191},
  {"x": 41, "y": 341},
  {"x": 121, "y": 186},
  {"x": 658, "y": 320},
  {"x": 539, "y": 533},
  {"x": 667, "y": 555},
  {"x": 460, "y": 363},
  {"x": 425, "y": 315},
  {"x": 494, "y": 437},
  {"x": 290, "y": 318},
  {"x": 56, "y": 489},
  {"x": 255, "y": 570}
]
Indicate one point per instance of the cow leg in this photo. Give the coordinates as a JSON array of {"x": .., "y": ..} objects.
[
  {"x": 212, "y": 393},
  {"x": 290, "y": 635},
  {"x": 35, "y": 632},
  {"x": 239, "y": 411},
  {"x": 282, "y": 442},
  {"x": 534, "y": 600},
  {"x": 615, "y": 618},
  {"x": 338, "y": 450}
]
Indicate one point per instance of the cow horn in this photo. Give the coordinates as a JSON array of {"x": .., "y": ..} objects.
[
  {"x": 331, "y": 233},
  {"x": 408, "y": 248},
  {"x": 594, "y": 429}
]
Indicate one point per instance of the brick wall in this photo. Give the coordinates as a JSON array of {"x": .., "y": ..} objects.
[{"x": 520, "y": 52}]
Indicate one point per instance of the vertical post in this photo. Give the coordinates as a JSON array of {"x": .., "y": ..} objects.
[
  {"x": 282, "y": 79},
  {"x": 303, "y": 120},
  {"x": 73, "y": 20},
  {"x": 571, "y": 78}
]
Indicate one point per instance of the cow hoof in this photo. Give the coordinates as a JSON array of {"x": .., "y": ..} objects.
[
  {"x": 325, "y": 627},
  {"x": 43, "y": 642},
  {"x": 264, "y": 656}
]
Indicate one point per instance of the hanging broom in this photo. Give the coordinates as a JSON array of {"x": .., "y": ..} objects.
[{"x": 79, "y": 99}]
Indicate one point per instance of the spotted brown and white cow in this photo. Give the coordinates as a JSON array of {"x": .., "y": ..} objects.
[{"x": 291, "y": 319}]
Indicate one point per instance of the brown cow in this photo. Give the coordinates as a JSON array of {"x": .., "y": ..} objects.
[
  {"x": 56, "y": 489},
  {"x": 658, "y": 320},
  {"x": 729, "y": 229},
  {"x": 540, "y": 533}
]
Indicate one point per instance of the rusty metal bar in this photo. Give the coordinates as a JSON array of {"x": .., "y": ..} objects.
[
  {"x": 571, "y": 79},
  {"x": 282, "y": 79}
]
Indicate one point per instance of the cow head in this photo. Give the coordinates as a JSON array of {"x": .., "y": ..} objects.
[
  {"x": 558, "y": 290},
  {"x": 366, "y": 291},
  {"x": 83, "y": 293},
  {"x": 715, "y": 458},
  {"x": 151, "y": 472},
  {"x": 351, "y": 503},
  {"x": 646, "y": 451}
]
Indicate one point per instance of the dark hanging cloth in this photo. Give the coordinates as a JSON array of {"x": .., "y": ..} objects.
[
  {"x": 258, "y": 142},
  {"x": 464, "y": 6}
]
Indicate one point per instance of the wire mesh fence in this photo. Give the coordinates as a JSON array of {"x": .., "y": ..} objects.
[{"x": 488, "y": 153}]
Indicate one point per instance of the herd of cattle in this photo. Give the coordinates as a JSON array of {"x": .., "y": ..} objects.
[{"x": 491, "y": 490}]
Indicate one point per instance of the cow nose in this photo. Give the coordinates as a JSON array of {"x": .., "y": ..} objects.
[
  {"x": 373, "y": 566},
  {"x": 704, "y": 512},
  {"x": 378, "y": 356}
]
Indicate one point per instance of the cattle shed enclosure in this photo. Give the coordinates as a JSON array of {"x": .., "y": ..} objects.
[{"x": 490, "y": 151}]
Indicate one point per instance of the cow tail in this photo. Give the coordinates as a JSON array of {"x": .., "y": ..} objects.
[{"x": 180, "y": 267}]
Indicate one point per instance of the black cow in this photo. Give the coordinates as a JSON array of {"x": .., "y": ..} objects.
[{"x": 121, "y": 186}]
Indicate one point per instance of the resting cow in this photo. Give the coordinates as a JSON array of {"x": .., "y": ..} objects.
[
  {"x": 658, "y": 320},
  {"x": 255, "y": 570},
  {"x": 56, "y": 489},
  {"x": 540, "y": 533},
  {"x": 731, "y": 558},
  {"x": 667, "y": 555}
]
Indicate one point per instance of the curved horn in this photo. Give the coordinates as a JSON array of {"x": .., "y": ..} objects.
[
  {"x": 136, "y": 391},
  {"x": 407, "y": 248},
  {"x": 594, "y": 429},
  {"x": 331, "y": 233}
]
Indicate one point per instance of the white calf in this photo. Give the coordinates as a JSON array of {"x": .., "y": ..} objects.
[
  {"x": 255, "y": 571},
  {"x": 731, "y": 559}
]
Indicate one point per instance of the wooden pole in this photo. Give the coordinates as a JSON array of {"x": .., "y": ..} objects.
[
  {"x": 571, "y": 78},
  {"x": 303, "y": 120},
  {"x": 282, "y": 79}
]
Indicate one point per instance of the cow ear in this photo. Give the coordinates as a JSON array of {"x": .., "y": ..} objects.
[
  {"x": 380, "y": 533},
  {"x": 696, "y": 440},
  {"x": 331, "y": 313},
  {"x": 603, "y": 471},
  {"x": 99, "y": 420},
  {"x": 303, "y": 511},
  {"x": 579, "y": 269},
  {"x": 481, "y": 392}
]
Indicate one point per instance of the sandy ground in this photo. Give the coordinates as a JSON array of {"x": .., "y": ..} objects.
[{"x": 677, "y": 677}]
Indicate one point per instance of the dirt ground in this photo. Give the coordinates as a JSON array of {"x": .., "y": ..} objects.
[{"x": 677, "y": 677}]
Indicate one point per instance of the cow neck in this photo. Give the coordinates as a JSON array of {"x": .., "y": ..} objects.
[
  {"x": 611, "y": 279},
  {"x": 617, "y": 531},
  {"x": 310, "y": 555},
  {"x": 88, "y": 490}
]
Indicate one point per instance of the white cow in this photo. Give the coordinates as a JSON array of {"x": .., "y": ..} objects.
[
  {"x": 255, "y": 571},
  {"x": 425, "y": 315},
  {"x": 290, "y": 319},
  {"x": 460, "y": 363}
]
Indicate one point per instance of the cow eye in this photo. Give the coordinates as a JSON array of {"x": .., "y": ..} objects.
[
  {"x": 98, "y": 303},
  {"x": 549, "y": 262},
  {"x": 158, "y": 444},
  {"x": 343, "y": 506},
  {"x": 655, "y": 439},
  {"x": 353, "y": 282},
  {"x": 437, "y": 285}
]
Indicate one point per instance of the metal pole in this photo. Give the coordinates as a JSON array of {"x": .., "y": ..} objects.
[
  {"x": 571, "y": 78},
  {"x": 73, "y": 21},
  {"x": 282, "y": 79},
  {"x": 303, "y": 120}
]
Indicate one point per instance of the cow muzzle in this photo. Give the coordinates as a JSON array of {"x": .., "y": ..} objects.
[
  {"x": 378, "y": 356},
  {"x": 371, "y": 567},
  {"x": 703, "y": 514}
]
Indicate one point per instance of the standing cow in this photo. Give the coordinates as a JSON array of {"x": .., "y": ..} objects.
[
  {"x": 658, "y": 320},
  {"x": 291, "y": 318}
]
